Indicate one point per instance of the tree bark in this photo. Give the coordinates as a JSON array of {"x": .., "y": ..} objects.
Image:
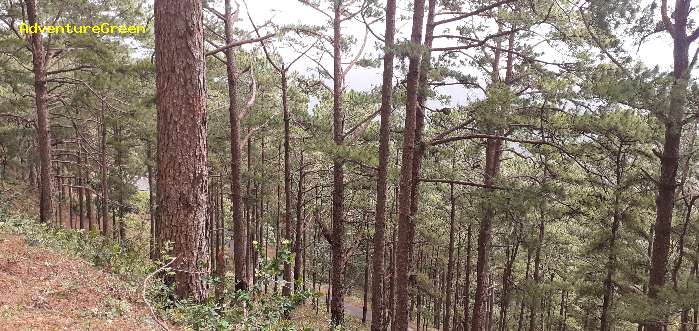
[
  {"x": 46, "y": 205},
  {"x": 151, "y": 201},
  {"x": 119, "y": 164},
  {"x": 298, "y": 240},
  {"x": 286, "y": 289},
  {"x": 669, "y": 160},
  {"x": 404, "y": 244},
  {"x": 81, "y": 183},
  {"x": 182, "y": 173},
  {"x": 338, "y": 190},
  {"x": 520, "y": 319},
  {"x": 608, "y": 298},
  {"x": 536, "y": 275},
  {"x": 506, "y": 284},
  {"x": 104, "y": 204},
  {"x": 493, "y": 152},
  {"x": 450, "y": 261},
  {"x": 239, "y": 235},
  {"x": 455, "y": 313},
  {"x": 377, "y": 305},
  {"x": 365, "y": 298},
  {"x": 467, "y": 279}
]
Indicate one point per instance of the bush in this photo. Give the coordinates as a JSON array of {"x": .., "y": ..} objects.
[{"x": 252, "y": 309}]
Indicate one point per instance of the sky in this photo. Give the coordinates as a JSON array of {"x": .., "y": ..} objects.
[{"x": 656, "y": 51}]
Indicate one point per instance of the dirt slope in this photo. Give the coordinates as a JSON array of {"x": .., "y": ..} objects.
[{"x": 45, "y": 290}]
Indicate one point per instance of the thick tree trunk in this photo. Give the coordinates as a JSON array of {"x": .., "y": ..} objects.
[
  {"x": 669, "y": 160},
  {"x": 377, "y": 305},
  {"x": 492, "y": 168},
  {"x": 493, "y": 155},
  {"x": 182, "y": 174},
  {"x": 46, "y": 205},
  {"x": 405, "y": 223}
]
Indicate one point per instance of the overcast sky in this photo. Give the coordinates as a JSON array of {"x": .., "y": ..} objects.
[{"x": 657, "y": 51}]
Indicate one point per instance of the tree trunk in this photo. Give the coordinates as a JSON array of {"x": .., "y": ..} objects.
[
  {"x": 455, "y": 313},
  {"x": 338, "y": 210},
  {"x": 286, "y": 289},
  {"x": 151, "y": 201},
  {"x": 70, "y": 185},
  {"x": 239, "y": 236},
  {"x": 506, "y": 283},
  {"x": 536, "y": 274},
  {"x": 119, "y": 164},
  {"x": 404, "y": 244},
  {"x": 277, "y": 230},
  {"x": 377, "y": 305},
  {"x": 46, "y": 205},
  {"x": 450, "y": 262},
  {"x": 520, "y": 319},
  {"x": 249, "y": 235},
  {"x": 104, "y": 203},
  {"x": 439, "y": 286},
  {"x": 298, "y": 240},
  {"x": 365, "y": 298},
  {"x": 81, "y": 183},
  {"x": 182, "y": 173},
  {"x": 608, "y": 298},
  {"x": 467, "y": 279},
  {"x": 669, "y": 160},
  {"x": 90, "y": 210},
  {"x": 493, "y": 152}
]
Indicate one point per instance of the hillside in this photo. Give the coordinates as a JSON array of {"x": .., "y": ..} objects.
[{"x": 50, "y": 290}]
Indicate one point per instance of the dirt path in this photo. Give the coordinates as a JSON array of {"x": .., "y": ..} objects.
[
  {"x": 46, "y": 290},
  {"x": 356, "y": 311}
]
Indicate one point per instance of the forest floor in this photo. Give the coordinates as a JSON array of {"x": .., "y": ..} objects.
[
  {"x": 46, "y": 290},
  {"x": 45, "y": 286}
]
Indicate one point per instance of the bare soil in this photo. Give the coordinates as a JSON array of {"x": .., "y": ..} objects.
[{"x": 45, "y": 290}]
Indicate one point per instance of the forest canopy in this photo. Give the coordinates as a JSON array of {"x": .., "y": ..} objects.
[{"x": 355, "y": 164}]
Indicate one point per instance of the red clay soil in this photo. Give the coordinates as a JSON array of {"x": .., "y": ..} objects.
[{"x": 45, "y": 290}]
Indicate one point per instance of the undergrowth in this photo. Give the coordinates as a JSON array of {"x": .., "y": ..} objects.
[{"x": 258, "y": 308}]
